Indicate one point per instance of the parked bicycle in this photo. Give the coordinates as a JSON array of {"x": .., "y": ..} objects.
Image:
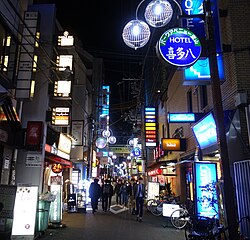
[
  {"x": 156, "y": 206},
  {"x": 205, "y": 228}
]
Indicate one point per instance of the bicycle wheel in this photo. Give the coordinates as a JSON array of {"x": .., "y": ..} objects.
[
  {"x": 156, "y": 208},
  {"x": 179, "y": 218},
  {"x": 148, "y": 204}
]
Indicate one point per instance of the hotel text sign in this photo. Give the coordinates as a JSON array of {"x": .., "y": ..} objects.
[{"x": 179, "y": 47}]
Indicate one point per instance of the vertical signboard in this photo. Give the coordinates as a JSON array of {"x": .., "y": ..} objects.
[
  {"x": 56, "y": 206},
  {"x": 150, "y": 127},
  {"x": 205, "y": 189},
  {"x": 25, "y": 209}
]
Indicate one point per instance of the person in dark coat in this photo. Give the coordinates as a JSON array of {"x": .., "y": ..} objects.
[
  {"x": 139, "y": 198},
  {"x": 95, "y": 193},
  {"x": 107, "y": 193}
]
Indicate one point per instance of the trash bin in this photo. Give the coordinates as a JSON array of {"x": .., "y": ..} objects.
[{"x": 43, "y": 215}]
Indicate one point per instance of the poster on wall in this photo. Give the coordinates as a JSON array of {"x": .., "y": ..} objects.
[
  {"x": 25, "y": 209},
  {"x": 162, "y": 180},
  {"x": 77, "y": 132}
]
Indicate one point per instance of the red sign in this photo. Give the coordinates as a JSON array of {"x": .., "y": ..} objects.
[
  {"x": 34, "y": 134},
  {"x": 154, "y": 172}
]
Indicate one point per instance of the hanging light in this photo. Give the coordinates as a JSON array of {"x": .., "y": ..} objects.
[
  {"x": 158, "y": 13},
  {"x": 136, "y": 34}
]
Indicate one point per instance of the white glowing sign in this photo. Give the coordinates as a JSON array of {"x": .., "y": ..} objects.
[{"x": 25, "y": 209}]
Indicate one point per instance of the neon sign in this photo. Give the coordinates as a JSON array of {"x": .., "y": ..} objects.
[
  {"x": 205, "y": 132},
  {"x": 179, "y": 47}
]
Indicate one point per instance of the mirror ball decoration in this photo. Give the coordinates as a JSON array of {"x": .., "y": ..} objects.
[
  {"x": 158, "y": 13},
  {"x": 136, "y": 34}
]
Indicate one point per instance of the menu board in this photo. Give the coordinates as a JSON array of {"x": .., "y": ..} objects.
[{"x": 25, "y": 209}]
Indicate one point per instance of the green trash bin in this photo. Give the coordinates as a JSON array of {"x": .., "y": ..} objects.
[
  {"x": 43, "y": 215},
  {"x": 40, "y": 216}
]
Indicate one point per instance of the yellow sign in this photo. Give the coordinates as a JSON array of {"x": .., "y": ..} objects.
[{"x": 170, "y": 144}]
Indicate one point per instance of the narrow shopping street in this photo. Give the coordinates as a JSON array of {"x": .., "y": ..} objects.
[{"x": 107, "y": 225}]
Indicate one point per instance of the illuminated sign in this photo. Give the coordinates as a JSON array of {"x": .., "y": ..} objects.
[
  {"x": 181, "y": 117},
  {"x": 64, "y": 144},
  {"x": 179, "y": 47},
  {"x": 136, "y": 152},
  {"x": 61, "y": 116},
  {"x": 25, "y": 209},
  {"x": 184, "y": 117},
  {"x": 62, "y": 88},
  {"x": 55, "y": 214},
  {"x": 150, "y": 126},
  {"x": 64, "y": 61},
  {"x": 205, "y": 179},
  {"x": 195, "y": 7},
  {"x": 65, "y": 40},
  {"x": 199, "y": 73},
  {"x": 154, "y": 172},
  {"x": 173, "y": 144},
  {"x": 57, "y": 168},
  {"x": 205, "y": 132}
]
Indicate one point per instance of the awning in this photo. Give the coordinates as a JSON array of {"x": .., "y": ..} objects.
[{"x": 49, "y": 157}]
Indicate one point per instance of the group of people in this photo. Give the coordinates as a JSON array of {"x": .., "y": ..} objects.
[{"x": 130, "y": 192}]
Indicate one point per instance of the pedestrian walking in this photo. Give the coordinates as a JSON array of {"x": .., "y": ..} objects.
[
  {"x": 124, "y": 194},
  {"x": 94, "y": 194},
  {"x": 107, "y": 193},
  {"x": 118, "y": 192},
  {"x": 131, "y": 192},
  {"x": 140, "y": 195}
]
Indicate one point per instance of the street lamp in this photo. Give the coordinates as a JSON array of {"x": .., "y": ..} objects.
[
  {"x": 158, "y": 13},
  {"x": 153, "y": 18}
]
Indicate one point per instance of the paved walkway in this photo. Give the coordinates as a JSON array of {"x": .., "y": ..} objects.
[{"x": 108, "y": 225}]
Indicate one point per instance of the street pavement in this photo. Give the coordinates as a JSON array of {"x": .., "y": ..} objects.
[{"x": 115, "y": 225}]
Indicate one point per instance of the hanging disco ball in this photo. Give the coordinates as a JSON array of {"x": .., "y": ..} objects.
[
  {"x": 158, "y": 13},
  {"x": 136, "y": 34}
]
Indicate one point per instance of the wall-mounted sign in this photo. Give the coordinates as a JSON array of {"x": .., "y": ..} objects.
[
  {"x": 34, "y": 135},
  {"x": 205, "y": 179},
  {"x": 64, "y": 144},
  {"x": 173, "y": 144},
  {"x": 205, "y": 132},
  {"x": 199, "y": 73},
  {"x": 57, "y": 168},
  {"x": 62, "y": 88},
  {"x": 154, "y": 172},
  {"x": 150, "y": 127},
  {"x": 64, "y": 61},
  {"x": 184, "y": 117},
  {"x": 179, "y": 47},
  {"x": 195, "y": 7},
  {"x": 77, "y": 132},
  {"x": 61, "y": 116},
  {"x": 66, "y": 39}
]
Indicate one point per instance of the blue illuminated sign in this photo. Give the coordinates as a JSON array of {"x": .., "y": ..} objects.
[
  {"x": 205, "y": 189},
  {"x": 179, "y": 47},
  {"x": 195, "y": 7},
  {"x": 181, "y": 117},
  {"x": 136, "y": 152},
  {"x": 205, "y": 131},
  {"x": 199, "y": 73}
]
